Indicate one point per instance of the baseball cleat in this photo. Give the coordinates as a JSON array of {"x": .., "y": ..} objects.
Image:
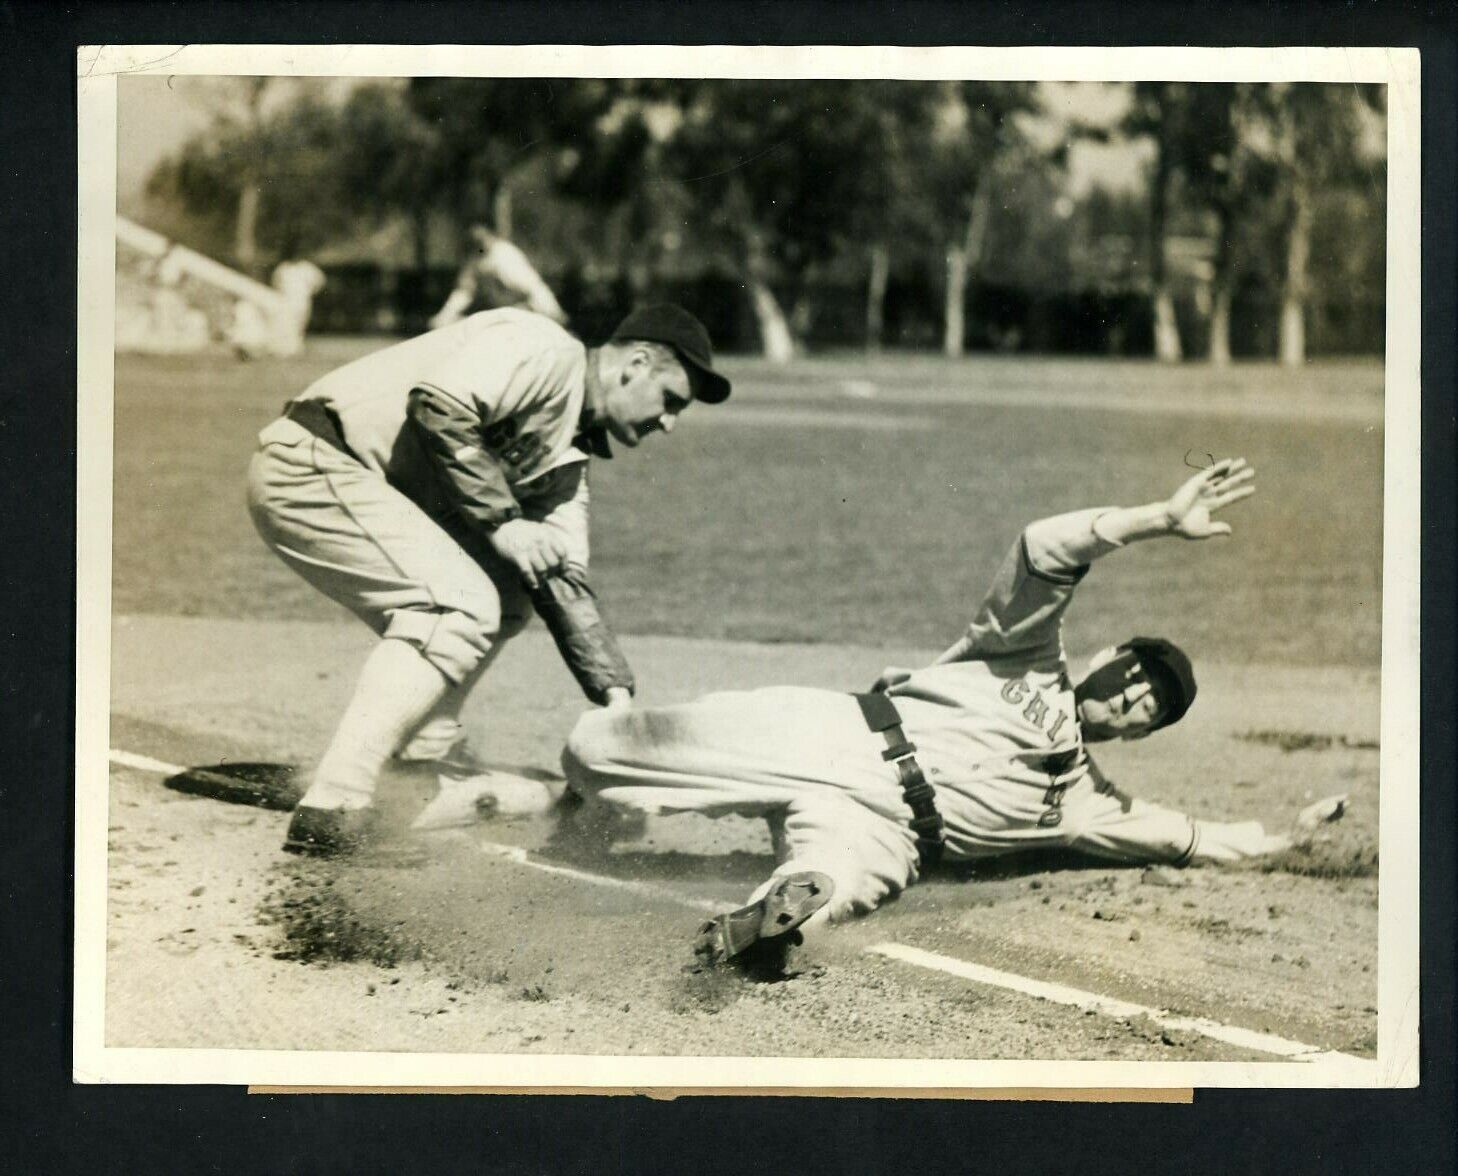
[
  {"x": 762, "y": 933},
  {"x": 469, "y": 790},
  {"x": 464, "y": 800},
  {"x": 322, "y": 832}
]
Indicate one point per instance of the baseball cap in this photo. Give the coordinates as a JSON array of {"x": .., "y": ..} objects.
[
  {"x": 671, "y": 324},
  {"x": 1170, "y": 671}
]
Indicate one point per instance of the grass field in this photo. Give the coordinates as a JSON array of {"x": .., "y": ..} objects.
[
  {"x": 835, "y": 515},
  {"x": 805, "y": 511}
]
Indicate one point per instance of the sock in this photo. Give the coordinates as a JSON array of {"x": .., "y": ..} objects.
[
  {"x": 442, "y": 728},
  {"x": 396, "y": 689}
]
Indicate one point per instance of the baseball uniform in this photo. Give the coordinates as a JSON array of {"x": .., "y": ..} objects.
[
  {"x": 499, "y": 275},
  {"x": 995, "y": 731},
  {"x": 384, "y": 479}
]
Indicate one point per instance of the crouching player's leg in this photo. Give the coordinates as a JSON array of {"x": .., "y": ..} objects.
[{"x": 438, "y": 614}]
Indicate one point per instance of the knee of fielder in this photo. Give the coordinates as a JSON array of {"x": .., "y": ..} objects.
[{"x": 453, "y": 642}]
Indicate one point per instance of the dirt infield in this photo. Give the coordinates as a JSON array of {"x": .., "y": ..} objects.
[{"x": 217, "y": 939}]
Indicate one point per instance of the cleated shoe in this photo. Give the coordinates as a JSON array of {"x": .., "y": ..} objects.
[
  {"x": 322, "y": 832},
  {"x": 464, "y": 800},
  {"x": 468, "y": 790},
  {"x": 758, "y": 937}
]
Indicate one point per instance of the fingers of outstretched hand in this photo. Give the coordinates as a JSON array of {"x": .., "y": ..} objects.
[
  {"x": 1224, "y": 497},
  {"x": 890, "y": 676},
  {"x": 1324, "y": 811}
]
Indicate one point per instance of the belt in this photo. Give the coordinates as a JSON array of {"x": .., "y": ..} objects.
[
  {"x": 882, "y": 718},
  {"x": 321, "y": 420}
]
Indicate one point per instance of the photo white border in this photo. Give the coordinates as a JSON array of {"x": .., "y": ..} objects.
[{"x": 1396, "y": 1064}]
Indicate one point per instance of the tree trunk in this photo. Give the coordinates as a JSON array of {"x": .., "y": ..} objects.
[
  {"x": 501, "y": 210},
  {"x": 1166, "y": 327},
  {"x": 962, "y": 262},
  {"x": 1293, "y": 300},
  {"x": 955, "y": 318},
  {"x": 1220, "y": 327},
  {"x": 245, "y": 227},
  {"x": 775, "y": 336},
  {"x": 245, "y": 234},
  {"x": 1220, "y": 293},
  {"x": 880, "y": 257}
]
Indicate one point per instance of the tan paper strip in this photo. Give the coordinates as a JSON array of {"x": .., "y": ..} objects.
[{"x": 1183, "y": 1095}]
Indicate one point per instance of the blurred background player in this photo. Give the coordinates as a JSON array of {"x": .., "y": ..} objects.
[
  {"x": 982, "y": 753},
  {"x": 277, "y": 328},
  {"x": 435, "y": 489},
  {"x": 497, "y": 274}
]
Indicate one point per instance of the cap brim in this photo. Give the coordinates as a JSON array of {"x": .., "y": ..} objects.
[{"x": 709, "y": 386}]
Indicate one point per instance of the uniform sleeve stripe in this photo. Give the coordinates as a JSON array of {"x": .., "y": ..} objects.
[
  {"x": 1063, "y": 578},
  {"x": 1189, "y": 855}
]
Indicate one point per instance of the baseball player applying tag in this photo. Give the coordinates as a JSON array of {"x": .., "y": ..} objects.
[
  {"x": 438, "y": 490},
  {"x": 984, "y": 752}
]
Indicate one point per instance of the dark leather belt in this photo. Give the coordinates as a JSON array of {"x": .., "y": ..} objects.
[
  {"x": 916, "y": 789},
  {"x": 319, "y": 419}
]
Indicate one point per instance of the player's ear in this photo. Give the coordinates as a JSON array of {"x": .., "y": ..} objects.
[{"x": 638, "y": 360}]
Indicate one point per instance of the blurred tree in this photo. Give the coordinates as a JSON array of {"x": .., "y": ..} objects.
[
  {"x": 1216, "y": 177},
  {"x": 976, "y": 134},
  {"x": 780, "y": 175},
  {"x": 892, "y": 122},
  {"x": 385, "y": 155},
  {"x": 487, "y": 130},
  {"x": 1316, "y": 139},
  {"x": 1159, "y": 113},
  {"x": 269, "y": 184},
  {"x": 617, "y": 172}
]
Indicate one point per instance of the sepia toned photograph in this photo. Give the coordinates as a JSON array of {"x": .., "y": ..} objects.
[{"x": 816, "y": 569}]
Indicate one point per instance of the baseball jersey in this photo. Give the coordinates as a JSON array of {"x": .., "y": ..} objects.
[
  {"x": 995, "y": 723},
  {"x": 512, "y": 384},
  {"x": 502, "y": 276},
  {"x": 476, "y": 422}
]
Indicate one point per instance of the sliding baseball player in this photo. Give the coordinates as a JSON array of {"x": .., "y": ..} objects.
[{"x": 982, "y": 753}]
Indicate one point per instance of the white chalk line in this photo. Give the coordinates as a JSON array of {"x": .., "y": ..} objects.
[
  {"x": 145, "y": 763},
  {"x": 1294, "y": 1051},
  {"x": 522, "y": 857}
]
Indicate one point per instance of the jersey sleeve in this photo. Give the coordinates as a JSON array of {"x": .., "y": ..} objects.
[
  {"x": 566, "y": 602},
  {"x": 466, "y": 470},
  {"x": 568, "y": 607},
  {"x": 1125, "y": 829},
  {"x": 560, "y": 499},
  {"x": 1022, "y": 612}
]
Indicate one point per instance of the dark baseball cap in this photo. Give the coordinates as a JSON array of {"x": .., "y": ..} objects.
[
  {"x": 1169, "y": 671},
  {"x": 671, "y": 324}
]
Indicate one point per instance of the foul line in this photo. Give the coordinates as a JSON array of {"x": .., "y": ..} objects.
[
  {"x": 1293, "y": 1051},
  {"x": 521, "y": 856}
]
